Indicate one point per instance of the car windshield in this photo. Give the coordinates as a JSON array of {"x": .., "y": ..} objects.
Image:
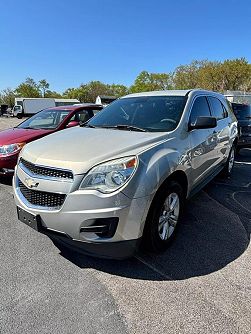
[
  {"x": 153, "y": 113},
  {"x": 242, "y": 111},
  {"x": 46, "y": 119}
]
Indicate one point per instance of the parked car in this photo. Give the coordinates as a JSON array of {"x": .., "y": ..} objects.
[
  {"x": 29, "y": 106},
  {"x": 3, "y": 109},
  {"x": 42, "y": 124},
  {"x": 243, "y": 115},
  {"x": 127, "y": 172}
]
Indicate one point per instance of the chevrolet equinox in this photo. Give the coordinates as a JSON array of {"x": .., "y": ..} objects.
[{"x": 123, "y": 176}]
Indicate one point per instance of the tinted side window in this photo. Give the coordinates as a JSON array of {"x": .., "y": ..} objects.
[
  {"x": 95, "y": 111},
  {"x": 217, "y": 108},
  {"x": 200, "y": 108},
  {"x": 81, "y": 116}
]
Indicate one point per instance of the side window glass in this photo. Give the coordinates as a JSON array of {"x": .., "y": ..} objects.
[
  {"x": 83, "y": 116},
  {"x": 217, "y": 108},
  {"x": 200, "y": 108},
  {"x": 95, "y": 111},
  {"x": 225, "y": 111}
]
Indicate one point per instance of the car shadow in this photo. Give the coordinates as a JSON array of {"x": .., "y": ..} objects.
[
  {"x": 244, "y": 155},
  {"x": 214, "y": 232}
]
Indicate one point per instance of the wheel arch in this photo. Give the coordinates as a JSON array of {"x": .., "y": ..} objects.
[{"x": 180, "y": 177}]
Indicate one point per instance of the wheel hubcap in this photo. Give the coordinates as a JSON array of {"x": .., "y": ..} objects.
[
  {"x": 169, "y": 216},
  {"x": 231, "y": 161}
]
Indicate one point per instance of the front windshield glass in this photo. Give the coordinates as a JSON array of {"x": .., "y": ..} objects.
[
  {"x": 45, "y": 119},
  {"x": 242, "y": 111},
  {"x": 150, "y": 113}
]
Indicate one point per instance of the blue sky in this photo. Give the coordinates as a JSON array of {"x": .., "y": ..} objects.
[{"x": 73, "y": 42}]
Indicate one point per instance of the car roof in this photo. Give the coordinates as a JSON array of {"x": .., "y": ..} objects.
[
  {"x": 76, "y": 107},
  {"x": 172, "y": 93}
]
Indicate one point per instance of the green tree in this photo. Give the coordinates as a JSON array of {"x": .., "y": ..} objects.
[
  {"x": 88, "y": 92},
  {"x": 52, "y": 94},
  {"x": 95, "y": 88},
  {"x": 146, "y": 81},
  {"x": 118, "y": 90},
  {"x": 29, "y": 88},
  {"x": 187, "y": 76},
  {"x": 43, "y": 85},
  {"x": 7, "y": 96},
  {"x": 234, "y": 74},
  {"x": 75, "y": 93}
]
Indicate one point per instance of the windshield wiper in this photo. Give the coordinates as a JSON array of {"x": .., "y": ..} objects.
[
  {"x": 28, "y": 127},
  {"x": 124, "y": 127}
]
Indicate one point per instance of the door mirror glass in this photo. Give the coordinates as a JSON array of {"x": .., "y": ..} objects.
[{"x": 203, "y": 122}]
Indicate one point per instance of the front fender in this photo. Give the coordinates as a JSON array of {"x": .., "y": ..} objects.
[{"x": 155, "y": 165}]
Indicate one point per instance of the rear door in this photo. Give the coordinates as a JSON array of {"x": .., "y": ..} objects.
[
  {"x": 222, "y": 131},
  {"x": 203, "y": 143}
]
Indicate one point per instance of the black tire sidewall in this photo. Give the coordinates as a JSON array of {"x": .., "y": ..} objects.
[
  {"x": 151, "y": 238},
  {"x": 225, "y": 171}
]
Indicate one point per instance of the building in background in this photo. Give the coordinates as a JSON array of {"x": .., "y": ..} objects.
[{"x": 238, "y": 96}]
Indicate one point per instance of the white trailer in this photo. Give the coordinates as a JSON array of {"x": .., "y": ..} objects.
[
  {"x": 30, "y": 106},
  {"x": 66, "y": 102}
]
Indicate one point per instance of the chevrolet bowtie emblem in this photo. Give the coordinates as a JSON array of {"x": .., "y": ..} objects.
[{"x": 31, "y": 183}]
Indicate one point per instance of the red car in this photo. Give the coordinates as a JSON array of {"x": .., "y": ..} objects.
[{"x": 41, "y": 124}]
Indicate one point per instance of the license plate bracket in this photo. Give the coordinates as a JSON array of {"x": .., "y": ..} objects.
[{"x": 29, "y": 219}]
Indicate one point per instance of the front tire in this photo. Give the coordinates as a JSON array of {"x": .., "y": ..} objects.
[{"x": 164, "y": 217}]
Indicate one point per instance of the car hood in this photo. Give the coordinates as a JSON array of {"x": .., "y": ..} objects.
[
  {"x": 18, "y": 135},
  {"x": 79, "y": 149}
]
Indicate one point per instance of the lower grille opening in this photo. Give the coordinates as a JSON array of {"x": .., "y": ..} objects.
[
  {"x": 41, "y": 198},
  {"x": 102, "y": 227}
]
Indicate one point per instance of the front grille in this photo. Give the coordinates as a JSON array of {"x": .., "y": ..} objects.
[
  {"x": 45, "y": 171},
  {"x": 41, "y": 198}
]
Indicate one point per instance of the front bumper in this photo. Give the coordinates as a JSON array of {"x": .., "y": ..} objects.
[
  {"x": 81, "y": 209},
  {"x": 110, "y": 250}
]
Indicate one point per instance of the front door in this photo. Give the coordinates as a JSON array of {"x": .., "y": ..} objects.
[{"x": 203, "y": 143}]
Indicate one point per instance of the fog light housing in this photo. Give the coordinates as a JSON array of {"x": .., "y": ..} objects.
[{"x": 102, "y": 227}]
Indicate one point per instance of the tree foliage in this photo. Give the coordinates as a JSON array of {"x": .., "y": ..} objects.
[
  {"x": 230, "y": 74},
  {"x": 29, "y": 88},
  {"x": 43, "y": 85},
  {"x": 88, "y": 92},
  {"x": 146, "y": 82},
  {"x": 7, "y": 96},
  {"x": 213, "y": 75}
]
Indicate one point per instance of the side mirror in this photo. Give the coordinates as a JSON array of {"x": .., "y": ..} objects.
[
  {"x": 72, "y": 123},
  {"x": 203, "y": 122}
]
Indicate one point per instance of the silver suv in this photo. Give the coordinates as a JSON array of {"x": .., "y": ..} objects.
[{"x": 124, "y": 176}]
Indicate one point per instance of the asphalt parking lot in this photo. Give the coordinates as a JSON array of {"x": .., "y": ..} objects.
[{"x": 202, "y": 284}]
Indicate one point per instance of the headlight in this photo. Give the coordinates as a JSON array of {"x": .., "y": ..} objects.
[
  {"x": 10, "y": 149},
  {"x": 110, "y": 175}
]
